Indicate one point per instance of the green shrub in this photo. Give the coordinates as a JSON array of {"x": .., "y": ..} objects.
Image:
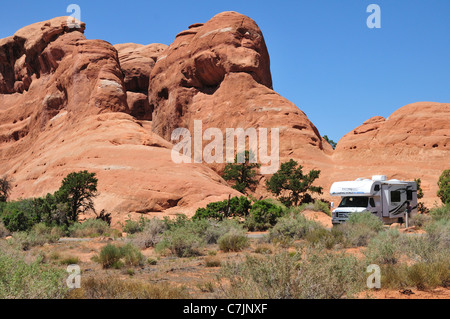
[
  {"x": 385, "y": 248},
  {"x": 22, "y": 280},
  {"x": 321, "y": 236},
  {"x": 112, "y": 256},
  {"x": 109, "y": 257},
  {"x": 442, "y": 212},
  {"x": 152, "y": 261},
  {"x": 444, "y": 187},
  {"x": 90, "y": 228},
  {"x": 150, "y": 235},
  {"x": 237, "y": 207},
  {"x": 39, "y": 235},
  {"x": 419, "y": 220},
  {"x": 20, "y": 215},
  {"x": 213, "y": 230},
  {"x": 263, "y": 215},
  {"x": 367, "y": 219},
  {"x": 292, "y": 227},
  {"x": 131, "y": 255},
  {"x": 181, "y": 242},
  {"x": 264, "y": 249},
  {"x": 70, "y": 261},
  {"x": 133, "y": 226},
  {"x": 234, "y": 240},
  {"x": 352, "y": 235},
  {"x": 439, "y": 233}
]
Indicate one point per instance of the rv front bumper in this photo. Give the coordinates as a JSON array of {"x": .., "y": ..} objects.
[{"x": 339, "y": 218}]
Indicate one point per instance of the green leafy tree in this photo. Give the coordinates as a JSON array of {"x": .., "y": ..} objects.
[
  {"x": 234, "y": 207},
  {"x": 78, "y": 190},
  {"x": 330, "y": 141},
  {"x": 290, "y": 185},
  {"x": 5, "y": 188},
  {"x": 242, "y": 172},
  {"x": 444, "y": 187},
  {"x": 420, "y": 205}
]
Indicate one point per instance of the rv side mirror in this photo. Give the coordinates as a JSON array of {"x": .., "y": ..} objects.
[{"x": 332, "y": 204}]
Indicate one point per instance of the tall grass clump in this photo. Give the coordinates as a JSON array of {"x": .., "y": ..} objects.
[
  {"x": 312, "y": 275},
  {"x": 292, "y": 227},
  {"x": 112, "y": 256},
  {"x": 234, "y": 240},
  {"x": 90, "y": 228}
]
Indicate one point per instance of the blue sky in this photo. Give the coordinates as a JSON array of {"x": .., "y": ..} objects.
[{"x": 324, "y": 58}]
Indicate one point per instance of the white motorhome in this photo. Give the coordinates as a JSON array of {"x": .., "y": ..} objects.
[{"x": 385, "y": 198}]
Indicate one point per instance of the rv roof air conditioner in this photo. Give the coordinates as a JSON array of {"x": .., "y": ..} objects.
[{"x": 380, "y": 178}]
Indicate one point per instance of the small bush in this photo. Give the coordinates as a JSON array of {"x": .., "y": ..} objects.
[
  {"x": 367, "y": 219},
  {"x": 109, "y": 257},
  {"x": 70, "y": 261},
  {"x": 213, "y": 261},
  {"x": 135, "y": 226},
  {"x": 150, "y": 235},
  {"x": 321, "y": 236},
  {"x": 292, "y": 227},
  {"x": 438, "y": 232},
  {"x": 439, "y": 213},
  {"x": 356, "y": 235},
  {"x": 385, "y": 248},
  {"x": 419, "y": 220},
  {"x": 181, "y": 242},
  {"x": 212, "y": 230},
  {"x": 112, "y": 256},
  {"x": 152, "y": 261},
  {"x": 234, "y": 240},
  {"x": 131, "y": 255},
  {"x": 264, "y": 249},
  {"x": 90, "y": 228},
  {"x": 263, "y": 215}
]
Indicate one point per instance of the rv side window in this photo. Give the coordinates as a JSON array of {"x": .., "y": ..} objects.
[
  {"x": 372, "y": 202},
  {"x": 395, "y": 196},
  {"x": 409, "y": 195}
]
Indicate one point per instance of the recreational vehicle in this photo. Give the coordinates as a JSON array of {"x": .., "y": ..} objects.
[{"x": 387, "y": 199}]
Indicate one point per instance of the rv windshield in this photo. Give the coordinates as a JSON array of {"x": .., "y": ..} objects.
[{"x": 357, "y": 201}]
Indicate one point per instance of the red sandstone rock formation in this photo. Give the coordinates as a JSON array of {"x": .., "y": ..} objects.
[
  {"x": 70, "y": 104},
  {"x": 68, "y": 113}
]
